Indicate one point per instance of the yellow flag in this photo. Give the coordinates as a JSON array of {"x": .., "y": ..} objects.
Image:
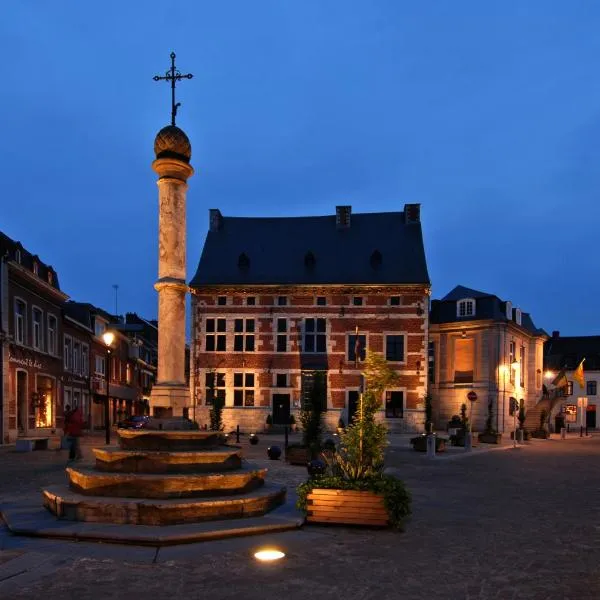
[{"x": 578, "y": 374}]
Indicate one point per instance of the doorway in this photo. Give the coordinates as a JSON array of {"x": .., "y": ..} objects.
[
  {"x": 22, "y": 413},
  {"x": 353, "y": 398},
  {"x": 590, "y": 416},
  {"x": 281, "y": 409}
]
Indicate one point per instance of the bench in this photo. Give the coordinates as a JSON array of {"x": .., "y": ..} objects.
[{"x": 29, "y": 444}]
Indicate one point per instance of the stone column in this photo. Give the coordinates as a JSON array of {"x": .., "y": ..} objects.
[{"x": 171, "y": 389}]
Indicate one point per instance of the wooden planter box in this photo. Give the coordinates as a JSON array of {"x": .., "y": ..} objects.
[
  {"x": 419, "y": 443},
  {"x": 297, "y": 456},
  {"x": 490, "y": 438},
  {"x": 346, "y": 507}
]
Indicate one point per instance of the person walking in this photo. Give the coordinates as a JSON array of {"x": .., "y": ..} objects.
[{"x": 73, "y": 430}]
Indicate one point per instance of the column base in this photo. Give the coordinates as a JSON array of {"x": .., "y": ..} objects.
[{"x": 169, "y": 399}]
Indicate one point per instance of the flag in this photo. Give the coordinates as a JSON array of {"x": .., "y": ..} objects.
[
  {"x": 560, "y": 381},
  {"x": 356, "y": 347},
  {"x": 578, "y": 374}
]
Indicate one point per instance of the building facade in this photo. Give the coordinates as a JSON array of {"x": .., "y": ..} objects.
[
  {"x": 275, "y": 301},
  {"x": 565, "y": 353},
  {"x": 479, "y": 343},
  {"x": 31, "y": 325}
]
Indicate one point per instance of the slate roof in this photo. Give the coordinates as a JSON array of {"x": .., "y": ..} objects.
[
  {"x": 10, "y": 247},
  {"x": 278, "y": 251},
  {"x": 487, "y": 306},
  {"x": 567, "y": 352}
]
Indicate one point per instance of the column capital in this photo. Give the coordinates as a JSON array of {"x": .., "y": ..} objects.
[{"x": 172, "y": 168}]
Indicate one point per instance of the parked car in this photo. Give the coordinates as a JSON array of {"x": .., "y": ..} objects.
[{"x": 135, "y": 422}]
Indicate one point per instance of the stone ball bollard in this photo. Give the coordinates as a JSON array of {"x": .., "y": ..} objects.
[{"x": 274, "y": 452}]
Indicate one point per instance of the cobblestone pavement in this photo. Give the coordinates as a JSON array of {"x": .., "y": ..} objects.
[{"x": 513, "y": 524}]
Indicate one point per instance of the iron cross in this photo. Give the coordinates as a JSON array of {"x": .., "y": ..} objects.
[{"x": 173, "y": 75}]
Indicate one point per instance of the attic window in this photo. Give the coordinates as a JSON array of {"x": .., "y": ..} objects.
[
  {"x": 465, "y": 307},
  {"x": 18, "y": 255},
  {"x": 243, "y": 261},
  {"x": 309, "y": 260},
  {"x": 518, "y": 316},
  {"x": 50, "y": 278},
  {"x": 35, "y": 268},
  {"x": 509, "y": 311},
  {"x": 376, "y": 259}
]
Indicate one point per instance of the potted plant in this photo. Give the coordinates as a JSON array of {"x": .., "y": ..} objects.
[
  {"x": 341, "y": 426},
  {"x": 490, "y": 435},
  {"x": 458, "y": 438},
  {"x": 268, "y": 422},
  {"x": 355, "y": 490},
  {"x": 419, "y": 443},
  {"x": 524, "y": 433},
  {"x": 311, "y": 418}
]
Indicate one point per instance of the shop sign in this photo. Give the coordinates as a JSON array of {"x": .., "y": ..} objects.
[{"x": 25, "y": 362}]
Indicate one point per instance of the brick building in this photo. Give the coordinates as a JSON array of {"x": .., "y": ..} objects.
[
  {"x": 480, "y": 343},
  {"x": 275, "y": 300},
  {"x": 31, "y": 332}
]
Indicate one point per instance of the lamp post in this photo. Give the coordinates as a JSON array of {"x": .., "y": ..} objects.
[{"x": 108, "y": 337}]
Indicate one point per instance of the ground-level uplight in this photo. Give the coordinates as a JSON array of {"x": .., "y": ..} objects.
[{"x": 268, "y": 555}]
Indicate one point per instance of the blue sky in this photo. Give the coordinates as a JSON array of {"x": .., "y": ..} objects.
[{"x": 487, "y": 113}]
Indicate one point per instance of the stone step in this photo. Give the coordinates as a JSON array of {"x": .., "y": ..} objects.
[
  {"x": 90, "y": 482},
  {"x": 72, "y": 506},
  {"x": 115, "y": 460},
  {"x": 168, "y": 441}
]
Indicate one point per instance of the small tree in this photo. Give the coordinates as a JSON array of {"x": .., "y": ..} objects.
[
  {"x": 521, "y": 415},
  {"x": 489, "y": 422},
  {"x": 216, "y": 414},
  {"x": 311, "y": 415},
  {"x": 464, "y": 420},
  {"x": 362, "y": 445}
]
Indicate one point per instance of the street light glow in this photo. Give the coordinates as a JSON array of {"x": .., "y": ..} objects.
[{"x": 108, "y": 337}]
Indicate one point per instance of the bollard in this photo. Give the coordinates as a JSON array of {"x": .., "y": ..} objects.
[
  {"x": 520, "y": 436},
  {"x": 563, "y": 433},
  {"x": 237, "y": 434},
  {"x": 431, "y": 445},
  {"x": 468, "y": 441}
]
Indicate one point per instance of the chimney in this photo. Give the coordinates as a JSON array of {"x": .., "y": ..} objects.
[
  {"x": 555, "y": 334},
  {"x": 412, "y": 213},
  {"x": 342, "y": 217},
  {"x": 215, "y": 219}
]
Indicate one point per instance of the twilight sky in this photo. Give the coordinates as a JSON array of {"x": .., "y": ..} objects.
[{"x": 487, "y": 113}]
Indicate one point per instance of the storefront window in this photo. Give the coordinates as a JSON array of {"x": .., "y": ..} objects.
[{"x": 43, "y": 404}]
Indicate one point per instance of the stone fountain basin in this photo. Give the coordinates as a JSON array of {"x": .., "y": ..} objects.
[
  {"x": 115, "y": 460},
  {"x": 89, "y": 482},
  {"x": 174, "y": 441},
  {"x": 72, "y": 506}
]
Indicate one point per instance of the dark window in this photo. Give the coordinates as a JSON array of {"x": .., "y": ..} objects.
[
  {"x": 215, "y": 387},
  {"x": 313, "y": 386},
  {"x": 222, "y": 300},
  {"x": 221, "y": 343},
  {"x": 431, "y": 362},
  {"x": 221, "y": 325},
  {"x": 282, "y": 300},
  {"x": 569, "y": 388},
  {"x": 357, "y": 301},
  {"x": 592, "y": 388},
  {"x": 394, "y": 300},
  {"x": 522, "y": 367},
  {"x": 512, "y": 357},
  {"x": 321, "y": 301},
  {"x": 215, "y": 342},
  {"x": 243, "y": 393},
  {"x": 394, "y": 405},
  {"x": 281, "y": 325},
  {"x": 362, "y": 347},
  {"x": 210, "y": 325},
  {"x": 281, "y": 335},
  {"x": 210, "y": 343},
  {"x": 281, "y": 379},
  {"x": 315, "y": 336},
  {"x": 250, "y": 301},
  {"x": 394, "y": 347},
  {"x": 243, "y": 342}
]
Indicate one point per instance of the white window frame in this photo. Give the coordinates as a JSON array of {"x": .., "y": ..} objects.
[
  {"x": 403, "y": 334},
  {"x": 287, "y": 380},
  {"x": 245, "y": 388},
  {"x": 38, "y": 343},
  {"x": 85, "y": 359},
  {"x": 23, "y": 320},
  {"x": 465, "y": 302},
  {"x": 314, "y": 334},
  {"x": 68, "y": 356},
  {"x": 245, "y": 334},
  {"x": 36, "y": 268},
  {"x": 52, "y": 333},
  {"x": 518, "y": 316},
  {"x": 18, "y": 256},
  {"x": 76, "y": 356},
  {"x": 509, "y": 311},
  {"x": 100, "y": 360}
]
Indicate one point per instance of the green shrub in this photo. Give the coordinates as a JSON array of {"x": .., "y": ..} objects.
[
  {"x": 292, "y": 420},
  {"x": 396, "y": 497},
  {"x": 216, "y": 415},
  {"x": 311, "y": 415},
  {"x": 269, "y": 419}
]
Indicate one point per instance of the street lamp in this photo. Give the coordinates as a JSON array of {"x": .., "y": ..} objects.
[{"x": 108, "y": 337}]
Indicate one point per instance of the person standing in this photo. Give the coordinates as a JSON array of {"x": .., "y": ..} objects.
[{"x": 74, "y": 430}]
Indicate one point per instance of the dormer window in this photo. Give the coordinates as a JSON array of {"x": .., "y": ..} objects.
[
  {"x": 18, "y": 255},
  {"x": 309, "y": 260},
  {"x": 509, "y": 311},
  {"x": 518, "y": 316},
  {"x": 35, "y": 268},
  {"x": 465, "y": 307},
  {"x": 50, "y": 278}
]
